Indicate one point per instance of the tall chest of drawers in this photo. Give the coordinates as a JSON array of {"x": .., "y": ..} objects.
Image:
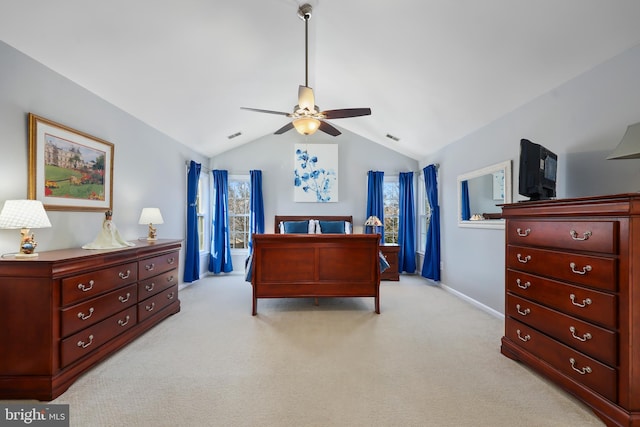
[
  {"x": 572, "y": 298},
  {"x": 66, "y": 310}
]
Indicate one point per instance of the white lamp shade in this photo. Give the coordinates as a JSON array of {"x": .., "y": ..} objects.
[
  {"x": 150, "y": 216},
  {"x": 23, "y": 214},
  {"x": 629, "y": 147}
]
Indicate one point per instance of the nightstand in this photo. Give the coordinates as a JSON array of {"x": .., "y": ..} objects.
[{"x": 390, "y": 252}]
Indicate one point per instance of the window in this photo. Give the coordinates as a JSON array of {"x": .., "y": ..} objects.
[
  {"x": 424, "y": 215},
  {"x": 391, "y": 202},
  {"x": 201, "y": 203},
  {"x": 239, "y": 204}
]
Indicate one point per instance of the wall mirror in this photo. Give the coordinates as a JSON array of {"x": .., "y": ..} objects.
[{"x": 479, "y": 193}]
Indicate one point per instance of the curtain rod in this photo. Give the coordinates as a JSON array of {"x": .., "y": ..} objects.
[
  {"x": 437, "y": 165},
  {"x": 187, "y": 162}
]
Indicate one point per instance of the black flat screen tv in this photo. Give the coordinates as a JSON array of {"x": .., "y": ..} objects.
[{"x": 538, "y": 169}]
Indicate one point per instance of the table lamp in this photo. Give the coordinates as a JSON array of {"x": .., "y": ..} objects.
[
  {"x": 24, "y": 215},
  {"x": 151, "y": 216},
  {"x": 373, "y": 221},
  {"x": 629, "y": 147}
]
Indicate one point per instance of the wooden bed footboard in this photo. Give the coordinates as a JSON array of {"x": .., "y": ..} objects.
[{"x": 327, "y": 265}]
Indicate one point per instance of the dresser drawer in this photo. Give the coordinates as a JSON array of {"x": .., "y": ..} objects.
[
  {"x": 87, "y": 340},
  {"x": 88, "y": 285},
  {"x": 597, "y": 272},
  {"x": 593, "y": 340},
  {"x": 581, "y": 368},
  {"x": 82, "y": 315},
  {"x": 156, "y": 303},
  {"x": 149, "y": 287},
  {"x": 590, "y": 236},
  {"x": 152, "y": 266},
  {"x": 588, "y": 304}
]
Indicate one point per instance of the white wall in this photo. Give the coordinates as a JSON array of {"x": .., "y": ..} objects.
[
  {"x": 149, "y": 167},
  {"x": 274, "y": 155},
  {"x": 582, "y": 121}
]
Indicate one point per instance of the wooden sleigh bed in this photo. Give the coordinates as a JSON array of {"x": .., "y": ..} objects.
[{"x": 306, "y": 265}]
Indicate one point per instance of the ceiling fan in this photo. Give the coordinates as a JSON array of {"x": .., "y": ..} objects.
[{"x": 307, "y": 117}]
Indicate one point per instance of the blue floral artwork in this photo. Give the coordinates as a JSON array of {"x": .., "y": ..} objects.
[{"x": 316, "y": 173}]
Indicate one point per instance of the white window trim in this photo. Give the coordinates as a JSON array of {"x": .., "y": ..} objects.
[{"x": 247, "y": 178}]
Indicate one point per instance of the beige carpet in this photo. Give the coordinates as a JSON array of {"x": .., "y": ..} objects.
[{"x": 430, "y": 359}]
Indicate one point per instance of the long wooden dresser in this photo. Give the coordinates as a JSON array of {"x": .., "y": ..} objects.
[
  {"x": 573, "y": 298},
  {"x": 65, "y": 311}
]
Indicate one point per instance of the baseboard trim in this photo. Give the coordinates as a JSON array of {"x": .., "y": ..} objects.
[{"x": 473, "y": 302}]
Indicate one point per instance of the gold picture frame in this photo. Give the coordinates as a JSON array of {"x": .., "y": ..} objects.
[{"x": 69, "y": 170}]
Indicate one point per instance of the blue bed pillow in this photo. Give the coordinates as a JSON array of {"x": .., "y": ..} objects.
[
  {"x": 296, "y": 227},
  {"x": 332, "y": 227}
]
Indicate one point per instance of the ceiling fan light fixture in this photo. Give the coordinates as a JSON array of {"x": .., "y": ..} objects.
[
  {"x": 306, "y": 125},
  {"x": 307, "y": 117}
]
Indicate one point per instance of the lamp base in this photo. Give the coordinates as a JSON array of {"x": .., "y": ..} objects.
[{"x": 26, "y": 256}]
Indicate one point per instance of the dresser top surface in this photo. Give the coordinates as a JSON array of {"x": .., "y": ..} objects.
[
  {"x": 612, "y": 205},
  {"x": 140, "y": 246}
]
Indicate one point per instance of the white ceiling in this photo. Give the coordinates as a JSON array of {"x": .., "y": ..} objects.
[{"x": 432, "y": 71}]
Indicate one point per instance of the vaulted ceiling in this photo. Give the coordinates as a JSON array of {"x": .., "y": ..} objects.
[{"x": 432, "y": 71}]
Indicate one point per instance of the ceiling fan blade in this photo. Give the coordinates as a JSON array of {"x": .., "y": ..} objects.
[
  {"x": 284, "y": 128},
  {"x": 306, "y": 99},
  {"x": 265, "y": 111},
  {"x": 327, "y": 128},
  {"x": 346, "y": 112}
]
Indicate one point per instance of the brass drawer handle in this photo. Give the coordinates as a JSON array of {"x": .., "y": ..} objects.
[
  {"x": 521, "y": 285},
  {"x": 524, "y": 312},
  {"x": 150, "y": 267},
  {"x": 84, "y": 288},
  {"x": 584, "y": 303},
  {"x": 87, "y": 344},
  {"x": 525, "y": 259},
  {"x": 123, "y": 322},
  {"x": 150, "y": 286},
  {"x": 585, "y": 235},
  {"x": 584, "y": 337},
  {"x": 171, "y": 295},
  {"x": 583, "y": 371},
  {"x": 83, "y": 316},
  {"x": 524, "y": 233},
  {"x": 585, "y": 269},
  {"x": 525, "y": 338},
  {"x": 124, "y": 275},
  {"x": 170, "y": 279},
  {"x": 150, "y": 307},
  {"x": 124, "y": 299},
  {"x": 171, "y": 260}
]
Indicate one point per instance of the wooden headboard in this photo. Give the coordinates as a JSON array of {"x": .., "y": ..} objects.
[{"x": 279, "y": 218}]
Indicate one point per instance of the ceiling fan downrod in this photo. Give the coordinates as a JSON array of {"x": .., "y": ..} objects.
[{"x": 304, "y": 12}]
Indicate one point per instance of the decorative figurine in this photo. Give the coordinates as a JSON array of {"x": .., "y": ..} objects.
[
  {"x": 28, "y": 242},
  {"x": 153, "y": 233},
  {"x": 109, "y": 237}
]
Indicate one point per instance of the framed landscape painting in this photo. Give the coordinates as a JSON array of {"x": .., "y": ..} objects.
[{"x": 69, "y": 170}]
